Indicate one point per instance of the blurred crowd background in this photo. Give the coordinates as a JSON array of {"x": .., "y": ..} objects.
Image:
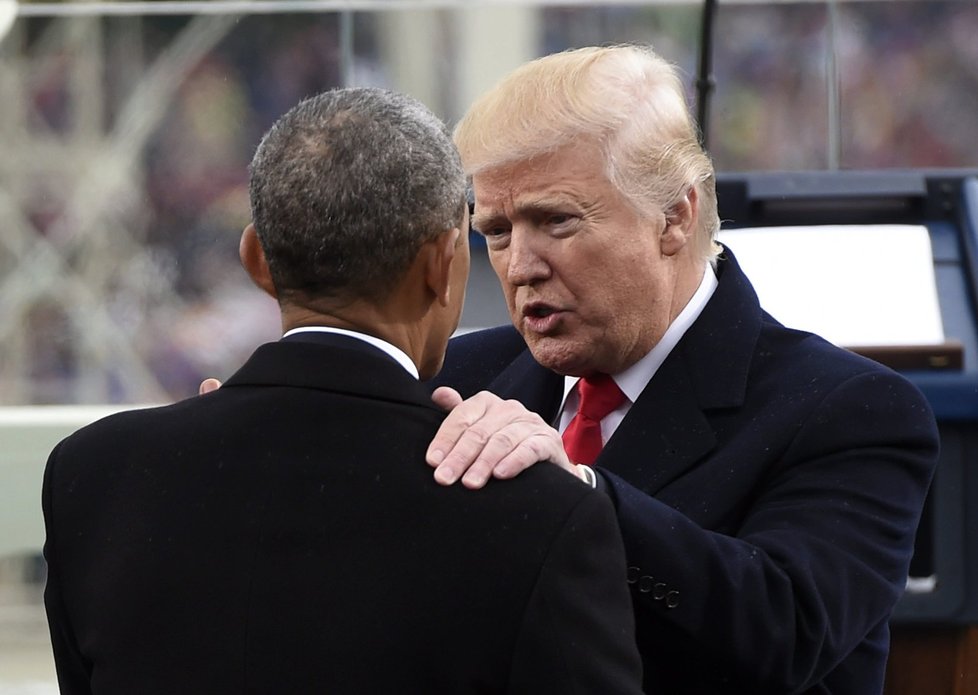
[{"x": 125, "y": 139}]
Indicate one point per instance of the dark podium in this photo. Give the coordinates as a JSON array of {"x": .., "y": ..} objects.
[{"x": 935, "y": 626}]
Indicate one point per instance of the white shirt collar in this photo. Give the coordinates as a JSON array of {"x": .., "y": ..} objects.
[
  {"x": 633, "y": 380},
  {"x": 395, "y": 352}
]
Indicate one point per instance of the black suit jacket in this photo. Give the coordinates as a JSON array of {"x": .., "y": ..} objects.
[
  {"x": 768, "y": 486},
  {"x": 284, "y": 535}
]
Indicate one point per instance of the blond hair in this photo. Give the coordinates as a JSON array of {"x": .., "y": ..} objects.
[{"x": 626, "y": 99}]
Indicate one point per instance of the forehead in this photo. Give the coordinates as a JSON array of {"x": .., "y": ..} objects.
[{"x": 570, "y": 173}]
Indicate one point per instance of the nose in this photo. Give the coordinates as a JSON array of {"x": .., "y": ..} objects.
[{"x": 526, "y": 261}]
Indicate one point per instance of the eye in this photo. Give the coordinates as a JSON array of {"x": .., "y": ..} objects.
[
  {"x": 489, "y": 228},
  {"x": 496, "y": 236},
  {"x": 560, "y": 222}
]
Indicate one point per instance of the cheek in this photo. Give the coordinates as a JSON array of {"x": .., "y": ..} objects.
[
  {"x": 618, "y": 296},
  {"x": 500, "y": 265}
]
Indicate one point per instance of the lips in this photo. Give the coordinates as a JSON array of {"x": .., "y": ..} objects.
[{"x": 540, "y": 317}]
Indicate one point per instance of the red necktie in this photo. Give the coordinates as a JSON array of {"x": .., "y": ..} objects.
[{"x": 599, "y": 395}]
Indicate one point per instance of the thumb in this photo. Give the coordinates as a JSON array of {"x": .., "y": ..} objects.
[
  {"x": 208, "y": 385},
  {"x": 446, "y": 397}
]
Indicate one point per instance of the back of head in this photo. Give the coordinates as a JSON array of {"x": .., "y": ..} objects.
[
  {"x": 626, "y": 99},
  {"x": 347, "y": 186}
]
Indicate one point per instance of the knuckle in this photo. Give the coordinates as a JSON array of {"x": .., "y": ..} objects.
[
  {"x": 486, "y": 396},
  {"x": 478, "y": 434},
  {"x": 517, "y": 408},
  {"x": 506, "y": 439}
]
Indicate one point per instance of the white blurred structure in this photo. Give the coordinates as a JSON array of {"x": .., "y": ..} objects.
[
  {"x": 8, "y": 13},
  {"x": 72, "y": 197},
  {"x": 88, "y": 257}
]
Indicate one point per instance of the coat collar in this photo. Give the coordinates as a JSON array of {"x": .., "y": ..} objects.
[
  {"x": 668, "y": 428},
  {"x": 332, "y": 363},
  {"x": 719, "y": 346}
]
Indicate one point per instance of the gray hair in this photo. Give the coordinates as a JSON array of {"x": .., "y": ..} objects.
[{"x": 347, "y": 186}]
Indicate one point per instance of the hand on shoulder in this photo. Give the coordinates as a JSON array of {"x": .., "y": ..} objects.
[{"x": 487, "y": 437}]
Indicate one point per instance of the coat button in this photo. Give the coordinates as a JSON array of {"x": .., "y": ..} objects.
[
  {"x": 632, "y": 574},
  {"x": 672, "y": 599},
  {"x": 660, "y": 591},
  {"x": 645, "y": 584}
]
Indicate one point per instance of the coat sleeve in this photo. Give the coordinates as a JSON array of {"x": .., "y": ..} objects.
[
  {"x": 817, "y": 562},
  {"x": 577, "y": 635}
]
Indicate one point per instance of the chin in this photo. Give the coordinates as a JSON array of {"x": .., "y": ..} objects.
[{"x": 558, "y": 359}]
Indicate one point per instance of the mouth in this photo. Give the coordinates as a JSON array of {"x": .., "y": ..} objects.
[
  {"x": 538, "y": 311},
  {"x": 541, "y": 318}
]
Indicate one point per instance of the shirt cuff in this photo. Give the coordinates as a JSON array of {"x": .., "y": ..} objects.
[{"x": 590, "y": 477}]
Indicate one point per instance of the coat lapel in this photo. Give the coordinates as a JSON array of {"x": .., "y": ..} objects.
[
  {"x": 664, "y": 433},
  {"x": 536, "y": 387}
]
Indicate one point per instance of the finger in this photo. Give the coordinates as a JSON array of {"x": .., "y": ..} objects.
[
  {"x": 477, "y": 434},
  {"x": 544, "y": 445},
  {"x": 499, "y": 445},
  {"x": 514, "y": 448},
  {"x": 465, "y": 454},
  {"x": 446, "y": 398},
  {"x": 208, "y": 385},
  {"x": 459, "y": 420}
]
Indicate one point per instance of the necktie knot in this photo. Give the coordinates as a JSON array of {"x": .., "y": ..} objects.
[{"x": 599, "y": 395}]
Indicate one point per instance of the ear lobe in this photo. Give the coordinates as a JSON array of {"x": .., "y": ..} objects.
[
  {"x": 680, "y": 223},
  {"x": 253, "y": 259},
  {"x": 438, "y": 270}
]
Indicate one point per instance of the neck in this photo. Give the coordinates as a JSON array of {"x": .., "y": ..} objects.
[
  {"x": 687, "y": 282},
  {"x": 360, "y": 317},
  {"x": 388, "y": 321}
]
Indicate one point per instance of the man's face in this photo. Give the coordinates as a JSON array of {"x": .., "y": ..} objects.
[{"x": 587, "y": 279}]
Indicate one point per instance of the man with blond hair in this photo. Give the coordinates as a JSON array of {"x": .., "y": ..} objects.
[{"x": 768, "y": 484}]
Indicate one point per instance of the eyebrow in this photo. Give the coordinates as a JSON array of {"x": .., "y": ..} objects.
[
  {"x": 545, "y": 205},
  {"x": 479, "y": 222},
  {"x": 539, "y": 206}
]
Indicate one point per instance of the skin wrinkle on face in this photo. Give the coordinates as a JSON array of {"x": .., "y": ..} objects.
[{"x": 562, "y": 237}]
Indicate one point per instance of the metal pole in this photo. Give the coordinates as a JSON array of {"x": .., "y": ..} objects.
[
  {"x": 834, "y": 144},
  {"x": 705, "y": 82},
  {"x": 347, "y": 54}
]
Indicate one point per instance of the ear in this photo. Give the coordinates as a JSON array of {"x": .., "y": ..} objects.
[
  {"x": 253, "y": 259},
  {"x": 680, "y": 223},
  {"x": 438, "y": 268}
]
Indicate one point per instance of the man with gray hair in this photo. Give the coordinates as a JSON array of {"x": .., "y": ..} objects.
[
  {"x": 268, "y": 537},
  {"x": 768, "y": 484}
]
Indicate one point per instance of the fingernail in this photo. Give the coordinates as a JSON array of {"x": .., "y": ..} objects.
[
  {"x": 435, "y": 457},
  {"x": 474, "y": 481},
  {"x": 445, "y": 476}
]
